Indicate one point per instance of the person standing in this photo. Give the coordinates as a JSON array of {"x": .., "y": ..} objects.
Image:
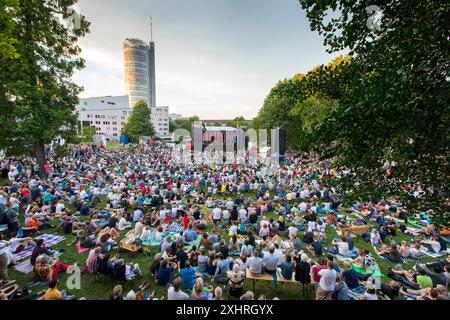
[{"x": 327, "y": 282}]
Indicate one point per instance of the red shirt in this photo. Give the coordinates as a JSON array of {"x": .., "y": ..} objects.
[
  {"x": 315, "y": 272},
  {"x": 186, "y": 221}
]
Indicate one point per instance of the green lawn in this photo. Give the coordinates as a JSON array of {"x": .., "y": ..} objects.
[{"x": 92, "y": 288}]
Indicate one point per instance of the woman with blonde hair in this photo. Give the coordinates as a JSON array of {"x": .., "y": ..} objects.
[
  {"x": 46, "y": 271},
  {"x": 198, "y": 291},
  {"x": 117, "y": 293}
]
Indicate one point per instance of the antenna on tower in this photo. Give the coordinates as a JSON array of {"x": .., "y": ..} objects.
[{"x": 151, "y": 29}]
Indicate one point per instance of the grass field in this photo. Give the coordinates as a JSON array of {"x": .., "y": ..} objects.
[{"x": 93, "y": 288}]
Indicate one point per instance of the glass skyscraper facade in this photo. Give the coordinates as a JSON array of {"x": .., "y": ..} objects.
[{"x": 140, "y": 71}]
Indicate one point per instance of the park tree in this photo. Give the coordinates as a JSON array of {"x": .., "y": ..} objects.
[
  {"x": 36, "y": 92},
  {"x": 183, "y": 123},
  {"x": 313, "y": 111},
  {"x": 8, "y": 10},
  {"x": 282, "y": 107},
  {"x": 139, "y": 123},
  {"x": 396, "y": 109},
  {"x": 87, "y": 134},
  {"x": 238, "y": 122}
]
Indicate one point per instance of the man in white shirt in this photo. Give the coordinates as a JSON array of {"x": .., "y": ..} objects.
[
  {"x": 137, "y": 215},
  {"x": 175, "y": 293},
  {"x": 327, "y": 282},
  {"x": 60, "y": 208},
  {"x": 303, "y": 206},
  {"x": 255, "y": 264},
  {"x": 243, "y": 215},
  {"x": 342, "y": 246},
  {"x": 216, "y": 215},
  {"x": 293, "y": 231}
]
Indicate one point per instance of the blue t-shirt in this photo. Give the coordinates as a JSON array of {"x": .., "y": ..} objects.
[
  {"x": 190, "y": 235},
  {"x": 297, "y": 244},
  {"x": 164, "y": 275},
  {"x": 187, "y": 278},
  {"x": 286, "y": 270},
  {"x": 317, "y": 247}
]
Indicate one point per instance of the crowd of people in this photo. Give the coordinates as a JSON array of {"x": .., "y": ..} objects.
[{"x": 209, "y": 228}]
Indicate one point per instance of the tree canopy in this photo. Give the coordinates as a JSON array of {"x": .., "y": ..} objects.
[
  {"x": 139, "y": 123},
  {"x": 380, "y": 113},
  {"x": 398, "y": 103},
  {"x": 36, "y": 93},
  {"x": 183, "y": 123}
]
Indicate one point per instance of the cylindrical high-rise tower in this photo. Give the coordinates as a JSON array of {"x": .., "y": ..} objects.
[{"x": 137, "y": 71}]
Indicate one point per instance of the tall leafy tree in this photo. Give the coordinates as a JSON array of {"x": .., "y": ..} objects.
[
  {"x": 313, "y": 111},
  {"x": 398, "y": 104},
  {"x": 281, "y": 107},
  {"x": 8, "y": 9},
  {"x": 37, "y": 94},
  {"x": 139, "y": 123}
]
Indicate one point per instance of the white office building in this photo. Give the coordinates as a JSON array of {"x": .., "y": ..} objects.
[
  {"x": 160, "y": 121},
  {"x": 110, "y": 113},
  {"x": 107, "y": 114}
]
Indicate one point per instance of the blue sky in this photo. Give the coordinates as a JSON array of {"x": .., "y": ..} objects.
[{"x": 214, "y": 58}]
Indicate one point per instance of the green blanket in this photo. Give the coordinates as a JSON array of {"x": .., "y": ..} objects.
[{"x": 376, "y": 273}]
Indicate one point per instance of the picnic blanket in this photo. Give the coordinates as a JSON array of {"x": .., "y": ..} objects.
[
  {"x": 49, "y": 240},
  {"x": 196, "y": 242},
  {"x": 173, "y": 227},
  {"x": 155, "y": 243},
  {"x": 376, "y": 273},
  {"x": 435, "y": 255},
  {"x": 80, "y": 249},
  {"x": 357, "y": 293},
  {"x": 351, "y": 253},
  {"x": 24, "y": 267}
]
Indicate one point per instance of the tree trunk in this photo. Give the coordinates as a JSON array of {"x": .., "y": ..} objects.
[{"x": 39, "y": 152}]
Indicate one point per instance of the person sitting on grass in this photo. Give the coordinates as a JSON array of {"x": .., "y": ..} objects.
[
  {"x": 371, "y": 292},
  {"x": 350, "y": 276},
  {"x": 53, "y": 292},
  {"x": 92, "y": 260},
  {"x": 342, "y": 246},
  {"x": 198, "y": 291},
  {"x": 165, "y": 272},
  {"x": 423, "y": 294},
  {"x": 117, "y": 293},
  {"x": 340, "y": 292},
  {"x": 46, "y": 270},
  {"x": 223, "y": 266},
  {"x": 187, "y": 275},
  {"x": 390, "y": 291},
  {"x": 236, "y": 279},
  {"x": 175, "y": 292},
  {"x": 38, "y": 250},
  {"x": 390, "y": 253}
]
